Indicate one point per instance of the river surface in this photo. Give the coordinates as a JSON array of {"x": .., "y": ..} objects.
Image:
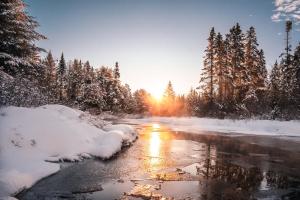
[{"x": 163, "y": 164}]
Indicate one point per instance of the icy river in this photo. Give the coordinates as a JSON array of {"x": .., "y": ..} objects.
[{"x": 163, "y": 164}]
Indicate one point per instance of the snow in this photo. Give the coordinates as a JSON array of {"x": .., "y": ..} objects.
[
  {"x": 192, "y": 169},
  {"x": 31, "y": 136},
  {"x": 250, "y": 126}
]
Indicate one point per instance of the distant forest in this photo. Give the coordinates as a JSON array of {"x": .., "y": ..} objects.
[{"x": 234, "y": 81}]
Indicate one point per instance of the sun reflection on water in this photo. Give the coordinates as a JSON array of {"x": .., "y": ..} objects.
[
  {"x": 154, "y": 148},
  {"x": 155, "y": 126},
  {"x": 157, "y": 147},
  {"x": 154, "y": 144}
]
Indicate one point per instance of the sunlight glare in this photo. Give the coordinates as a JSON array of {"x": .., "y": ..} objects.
[
  {"x": 157, "y": 96},
  {"x": 155, "y": 126},
  {"x": 154, "y": 148}
]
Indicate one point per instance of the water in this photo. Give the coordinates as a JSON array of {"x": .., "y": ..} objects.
[{"x": 163, "y": 164}]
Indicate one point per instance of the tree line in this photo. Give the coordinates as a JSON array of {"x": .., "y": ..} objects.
[
  {"x": 29, "y": 80},
  {"x": 234, "y": 81},
  {"x": 79, "y": 84}
]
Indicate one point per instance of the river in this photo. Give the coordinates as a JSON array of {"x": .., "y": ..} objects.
[{"x": 162, "y": 164}]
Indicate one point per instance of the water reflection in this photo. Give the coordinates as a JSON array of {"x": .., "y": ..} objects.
[
  {"x": 182, "y": 166},
  {"x": 214, "y": 162},
  {"x": 157, "y": 147},
  {"x": 154, "y": 148},
  {"x": 155, "y": 126}
]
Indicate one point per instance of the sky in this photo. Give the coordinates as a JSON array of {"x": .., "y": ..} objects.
[{"x": 157, "y": 41}]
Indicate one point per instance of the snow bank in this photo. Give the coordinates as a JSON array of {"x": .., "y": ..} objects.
[
  {"x": 198, "y": 125},
  {"x": 31, "y": 136}
]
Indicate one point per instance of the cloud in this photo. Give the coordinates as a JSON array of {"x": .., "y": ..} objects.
[
  {"x": 276, "y": 17},
  {"x": 286, "y": 10},
  {"x": 279, "y": 2},
  {"x": 297, "y": 17}
]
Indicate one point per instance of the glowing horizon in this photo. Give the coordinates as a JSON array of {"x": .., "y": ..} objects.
[{"x": 153, "y": 41}]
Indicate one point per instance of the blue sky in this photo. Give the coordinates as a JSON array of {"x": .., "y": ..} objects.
[{"x": 153, "y": 41}]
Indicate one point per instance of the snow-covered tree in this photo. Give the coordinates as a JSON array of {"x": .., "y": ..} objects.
[
  {"x": 274, "y": 88},
  {"x": 92, "y": 97},
  {"x": 169, "y": 94},
  {"x": 295, "y": 81},
  {"x": 111, "y": 89},
  {"x": 18, "y": 52},
  {"x": 227, "y": 73},
  {"x": 117, "y": 71},
  {"x": 168, "y": 100},
  {"x": 61, "y": 72},
  {"x": 193, "y": 102},
  {"x": 236, "y": 58},
  {"x": 141, "y": 98},
  {"x": 75, "y": 81},
  {"x": 251, "y": 59},
  {"x": 208, "y": 78},
  {"x": 19, "y": 91},
  {"x": 256, "y": 74},
  {"x": 234, "y": 73},
  {"x": 50, "y": 75},
  {"x": 263, "y": 72},
  {"x": 127, "y": 102},
  {"x": 221, "y": 67},
  {"x": 88, "y": 73}
]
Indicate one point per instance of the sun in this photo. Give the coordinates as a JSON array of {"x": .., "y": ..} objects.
[{"x": 157, "y": 95}]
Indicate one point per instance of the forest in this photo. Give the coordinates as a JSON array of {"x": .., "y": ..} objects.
[
  {"x": 233, "y": 81},
  {"x": 71, "y": 127}
]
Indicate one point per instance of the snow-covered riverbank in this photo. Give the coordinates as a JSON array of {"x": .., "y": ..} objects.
[
  {"x": 198, "y": 125},
  {"x": 31, "y": 136}
]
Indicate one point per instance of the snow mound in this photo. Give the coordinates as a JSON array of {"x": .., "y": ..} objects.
[
  {"x": 125, "y": 131},
  {"x": 198, "y": 125},
  {"x": 31, "y": 136}
]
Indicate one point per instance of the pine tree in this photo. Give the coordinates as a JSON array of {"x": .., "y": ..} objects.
[
  {"x": 116, "y": 71},
  {"x": 169, "y": 93},
  {"x": 228, "y": 79},
  {"x": 88, "y": 73},
  {"x": 127, "y": 103},
  {"x": 168, "y": 100},
  {"x": 18, "y": 53},
  {"x": 236, "y": 59},
  {"x": 295, "y": 78},
  {"x": 61, "y": 72},
  {"x": 51, "y": 68},
  {"x": 193, "y": 102},
  {"x": 220, "y": 65},
  {"x": 78, "y": 80},
  {"x": 288, "y": 28},
  {"x": 92, "y": 97},
  {"x": 50, "y": 74},
  {"x": 274, "y": 89},
  {"x": 75, "y": 81},
  {"x": 252, "y": 58},
  {"x": 141, "y": 98},
  {"x": 256, "y": 75},
  {"x": 208, "y": 78},
  {"x": 287, "y": 68},
  {"x": 262, "y": 72},
  {"x": 111, "y": 89}
]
